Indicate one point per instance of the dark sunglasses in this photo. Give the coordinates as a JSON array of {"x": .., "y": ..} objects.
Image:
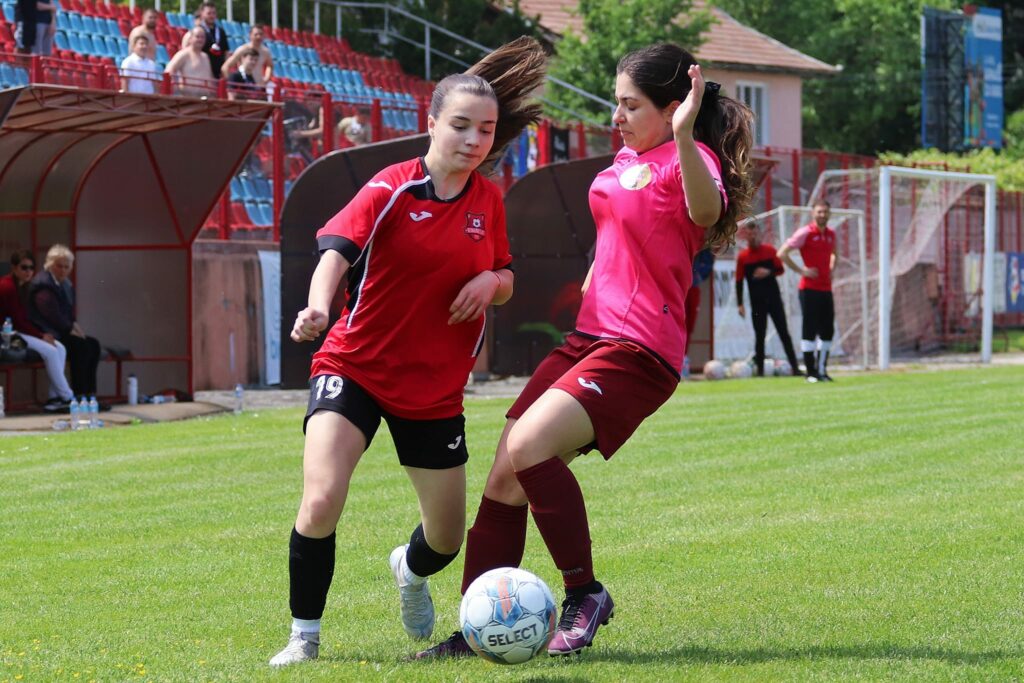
[{"x": 26, "y": 268}]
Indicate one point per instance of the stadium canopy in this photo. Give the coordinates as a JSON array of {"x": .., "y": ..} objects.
[{"x": 126, "y": 181}]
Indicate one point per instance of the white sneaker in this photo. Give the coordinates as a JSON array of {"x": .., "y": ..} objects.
[
  {"x": 301, "y": 647},
  {"x": 417, "y": 606}
]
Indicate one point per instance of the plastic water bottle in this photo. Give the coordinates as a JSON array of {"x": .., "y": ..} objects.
[
  {"x": 6, "y": 332},
  {"x": 75, "y": 412},
  {"x": 133, "y": 390},
  {"x": 1, "y": 402},
  {"x": 686, "y": 368},
  {"x": 94, "y": 413},
  {"x": 239, "y": 399}
]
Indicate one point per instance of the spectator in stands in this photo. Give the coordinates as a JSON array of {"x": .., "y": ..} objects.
[
  {"x": 51, "y": 306},
  {"x": 46, "y": 27},
  {"x": 190, "y": 68},
  {"x": 25, "y": 26},
  {"x": 264, "y": 70},
  {"x": 215, "y": 42},
  {"x": 13, "y": 294},
  {"x": 242, "y": 84},
  {"x": 139, "y": 73},
  {"x": 186, "y": 39},
  {"x": 148, "y": 29},
  {"x": 356, "y": 128}
]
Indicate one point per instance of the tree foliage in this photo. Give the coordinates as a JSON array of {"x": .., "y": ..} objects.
[{"x": 611, "y": 29}]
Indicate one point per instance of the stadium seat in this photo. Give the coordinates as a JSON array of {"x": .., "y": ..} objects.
[
  {"x": 9, "y": 13},
  {"x": 90, "y": 25},
  {"x": 7, "y": 77}
]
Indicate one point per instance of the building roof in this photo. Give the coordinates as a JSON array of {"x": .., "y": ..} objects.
[{"x": 728, "y": 44}]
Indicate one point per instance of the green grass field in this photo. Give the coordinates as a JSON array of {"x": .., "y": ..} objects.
[{"x": 752, "y": 530}]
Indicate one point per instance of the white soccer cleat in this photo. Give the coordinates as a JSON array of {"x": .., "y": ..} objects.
[
  {"x": 417, "y": 606},
  {"x": 301, "y": 647}
]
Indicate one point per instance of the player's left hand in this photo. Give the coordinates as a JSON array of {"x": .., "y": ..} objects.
[
  {"x": 761, "y": 272},
  {"x": 685, "y": 115},
  {"x": 474, "y": 298}
]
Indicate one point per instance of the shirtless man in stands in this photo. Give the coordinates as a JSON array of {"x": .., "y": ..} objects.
[
  {"x": 191, "y": 68},
  {"x": 264, "y": 70},
  {"x": 146, "y": 28}
]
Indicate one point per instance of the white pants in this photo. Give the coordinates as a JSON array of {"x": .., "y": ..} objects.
[{"x": 54, "y": 356}]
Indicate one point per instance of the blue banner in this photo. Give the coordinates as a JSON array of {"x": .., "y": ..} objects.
[
  {"x": 1015, "y": 282},
  {"x": 983, "y": 90}
]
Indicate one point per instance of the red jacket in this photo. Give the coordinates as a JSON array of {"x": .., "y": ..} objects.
[{"x": 10, "y": 305}]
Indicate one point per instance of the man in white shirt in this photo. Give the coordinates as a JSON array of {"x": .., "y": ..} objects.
[{"x": 139, "y": 73}]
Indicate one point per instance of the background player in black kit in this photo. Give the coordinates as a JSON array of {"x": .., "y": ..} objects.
[
  {"x": 425, "y": 248},
  {"x": 759, "y": 266}
]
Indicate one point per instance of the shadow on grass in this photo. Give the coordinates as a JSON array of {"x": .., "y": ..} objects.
[{"x": 894, "y": 653}]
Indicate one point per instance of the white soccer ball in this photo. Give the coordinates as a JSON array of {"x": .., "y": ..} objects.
[
  {"x": 714, "y": 369},
  {"x": 508, "y": 615},
  {"x": 740, "y": 369},
  {"x": 783, "y": 368}
]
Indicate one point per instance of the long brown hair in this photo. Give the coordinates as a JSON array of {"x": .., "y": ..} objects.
[
  {"x": 723, "y": 124},
  {"x": 509, "y": 75}
]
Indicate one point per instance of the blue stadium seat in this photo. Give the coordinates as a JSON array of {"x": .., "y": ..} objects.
[
  {"x": 76, "y": 21},
  {"x": 21, "y": 75},
  {"x": 87, "y": 47},
  {"x": 7, "y": 77},
  {"x": 249, "y": 192},
  {"x": 75, "y": 41},
  {"x": 63, "y": 21},
  {"x": 264, "y": 188},
  {"x": 236, "y": 190},
  {"x": 113, "y": 30},
  {"x": 9, "y": 13},
  {"x": 162, "y": 55},
  {"x": 114, "y": 50},
  {"x": 122, "y": 45},
  {"x": 307, "y": 73},
  {"x": 90, "y": 24},
  {"x": 60, "y": 39}
]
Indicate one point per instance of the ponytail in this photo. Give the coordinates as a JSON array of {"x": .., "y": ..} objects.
[{"x": 725, "y": 128}]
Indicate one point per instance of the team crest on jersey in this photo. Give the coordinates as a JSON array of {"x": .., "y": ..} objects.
[
  {"x": 475, "y": 229},
  {"x": 636, "y": 177}
]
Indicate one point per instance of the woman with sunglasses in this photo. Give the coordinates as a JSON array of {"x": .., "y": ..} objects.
[{"x": 13, "y": 291}]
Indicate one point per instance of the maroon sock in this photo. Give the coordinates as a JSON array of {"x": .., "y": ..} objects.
[
  {"x": 496, "y": 539},
  {"x": 556, "y": 502}
]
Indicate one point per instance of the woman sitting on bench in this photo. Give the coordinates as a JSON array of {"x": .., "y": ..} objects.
[
  {"x": 13, "y": 292},
  {"x": 52, "y": 309}
]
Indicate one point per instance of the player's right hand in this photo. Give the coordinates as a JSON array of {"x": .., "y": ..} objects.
[
  {"x": 742, "y": 311},
  {"x": 810, "y": 273},
  {"x": 309, "y": 323}
]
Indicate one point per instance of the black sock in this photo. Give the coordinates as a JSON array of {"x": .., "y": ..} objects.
[
  {"x": 809, "y": 364},
  {"x": 422, "y": 559},
  {"x": 589, "y": 589},
  {"x": 310, "y": 570}
]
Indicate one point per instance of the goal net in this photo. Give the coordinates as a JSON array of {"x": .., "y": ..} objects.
[{"x": 915, "y": 269}]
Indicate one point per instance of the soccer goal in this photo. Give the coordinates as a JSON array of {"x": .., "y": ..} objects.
[{"x": 916, "y": 270}]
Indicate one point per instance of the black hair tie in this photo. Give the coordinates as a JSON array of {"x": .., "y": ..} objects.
[{"x": 709, "y": 104}]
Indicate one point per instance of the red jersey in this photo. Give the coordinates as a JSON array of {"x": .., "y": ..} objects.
[
  {"x": 749, "y": 260},
  {"x": 816, "y": 248},
  {"x": 10, "y": 305},
  {"x": 410, "y": 254}
]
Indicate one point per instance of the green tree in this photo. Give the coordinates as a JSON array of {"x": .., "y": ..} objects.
[
  {"x": 874, "y": 104},
  {"x": 611, "y": 29}
]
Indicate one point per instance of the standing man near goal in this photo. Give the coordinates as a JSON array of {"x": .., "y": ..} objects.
[
  {"x": 817, "y": 244},
  {"x": 759, "y": 265}
]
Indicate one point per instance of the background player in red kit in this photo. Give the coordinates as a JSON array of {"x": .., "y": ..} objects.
[
  {"x": 817, "y": 244},
  {"x": 759, "y": 265},
  {"x": 675, "y": 188},
  {"x": 425, "y": 247}
]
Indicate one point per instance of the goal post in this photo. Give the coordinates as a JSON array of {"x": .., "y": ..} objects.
[{"x": 886, "y": 174}]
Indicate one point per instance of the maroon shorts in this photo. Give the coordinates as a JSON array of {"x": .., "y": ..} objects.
[{"x": 618, "y": 383}]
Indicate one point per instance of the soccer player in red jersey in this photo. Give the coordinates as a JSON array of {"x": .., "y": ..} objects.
[
  {"x": 675, "y": 188},
  {"x": 817, "y": 244},
  {"x": 759, "y": 265},
  {"x": 425, "y": 249}
]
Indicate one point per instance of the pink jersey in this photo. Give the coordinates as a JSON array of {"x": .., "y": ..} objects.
[{"x": 646, "y": 242}]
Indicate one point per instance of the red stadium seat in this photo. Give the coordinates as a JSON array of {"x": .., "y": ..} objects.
[{"x": 240, "y": 217}]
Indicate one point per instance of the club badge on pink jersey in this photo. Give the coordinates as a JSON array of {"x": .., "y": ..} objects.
[
  {"x": 636, "y": 177},
  {"x": 475, "y": 226}
]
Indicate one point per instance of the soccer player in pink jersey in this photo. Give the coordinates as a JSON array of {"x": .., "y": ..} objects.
[
  {"x": 817, "y": 245},
  {"x": 676, "y": 187},
  {"x": 426, "y": 251}
]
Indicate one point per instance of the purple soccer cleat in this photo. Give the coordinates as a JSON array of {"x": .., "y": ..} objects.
[
  {"x": 453, "y": 646},
  {"x": 579, "y": 623}
]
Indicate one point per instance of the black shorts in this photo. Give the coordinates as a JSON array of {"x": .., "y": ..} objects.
[
  {"x": 819, "y": 314},
  {"x": 429, "y": 444}
]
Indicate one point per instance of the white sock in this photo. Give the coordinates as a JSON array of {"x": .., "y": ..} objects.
[
  {"x": 807, "y": 345},
  {"x": 306, "y": 626},
  {"x": 407, "y": 574}
]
